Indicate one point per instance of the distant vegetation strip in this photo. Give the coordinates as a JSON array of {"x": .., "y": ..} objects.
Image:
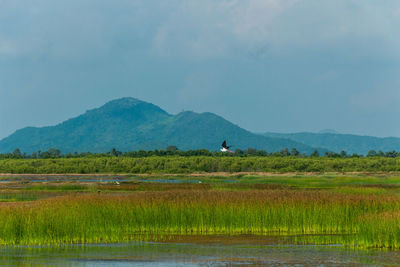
[
  {"x": 356, "y": 220},
  {"x": 179, "y": 164},
  {"x": 174, "y": 151}
]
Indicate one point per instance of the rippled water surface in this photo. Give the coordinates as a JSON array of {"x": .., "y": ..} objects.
[{"x": 195, "y": 254}]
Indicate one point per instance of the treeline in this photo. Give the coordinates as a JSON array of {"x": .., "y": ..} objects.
[
  {"x": 179, "y": 164},
  {"x": 53, "y": 153}
]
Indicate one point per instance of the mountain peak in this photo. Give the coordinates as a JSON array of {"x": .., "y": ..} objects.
[
  {"x": 128, "y": 106},
  {"x": 328, "y": 131},
  {"x": 131, "y": 124},
  {"x": 125, "y": 102}
]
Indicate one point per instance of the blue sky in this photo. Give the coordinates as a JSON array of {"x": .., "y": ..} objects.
[{"x": 266, "y": 65}]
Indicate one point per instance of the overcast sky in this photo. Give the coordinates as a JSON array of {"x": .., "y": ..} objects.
[{"x": 266, "y": 65}]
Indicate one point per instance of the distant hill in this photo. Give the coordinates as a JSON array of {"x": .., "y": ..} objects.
[
  {"x": 130, "y": 124},
  {"x": 337, "y": 142},
  {"x": 331, "y": 131}
]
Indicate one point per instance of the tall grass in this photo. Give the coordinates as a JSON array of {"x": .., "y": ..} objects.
[{"x": 110, "y": 218}]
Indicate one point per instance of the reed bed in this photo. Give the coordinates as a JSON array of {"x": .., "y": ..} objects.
[{"x": 358, "y": 219}]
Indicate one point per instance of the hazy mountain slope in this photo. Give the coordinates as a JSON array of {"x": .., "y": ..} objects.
[
  {"x": 207, "y": 130},
  {"x": 119, "y": 123},
  {"x": 338, "y": 142},
  {"x": 130, "y": 124}
]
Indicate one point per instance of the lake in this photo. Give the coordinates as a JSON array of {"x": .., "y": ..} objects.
[{"x": 197, "y": 251}]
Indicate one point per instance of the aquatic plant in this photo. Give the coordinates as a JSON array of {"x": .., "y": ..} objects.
[{"x": 88, "y": 218}]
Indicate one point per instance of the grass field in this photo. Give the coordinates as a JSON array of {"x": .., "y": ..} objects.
[{"x": 358, "y": 210}]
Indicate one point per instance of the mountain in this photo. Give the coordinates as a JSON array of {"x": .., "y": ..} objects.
[
  {"x": 338, "y": 142},
  {"x": 130, "y": 124},
  {"x": 331, "y": 131}
]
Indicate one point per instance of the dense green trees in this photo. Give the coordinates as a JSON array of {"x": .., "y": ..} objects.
[
  {"x": 172, "y": 148},
  {"x": 17, "y": 153},
  {"x": 53, "y": 153},
  {"x": 315, "y": 153},
  {"x": 181, "y": 164}
]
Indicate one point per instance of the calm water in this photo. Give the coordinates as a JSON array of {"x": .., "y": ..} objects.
[{"x": 194, "y": 254}]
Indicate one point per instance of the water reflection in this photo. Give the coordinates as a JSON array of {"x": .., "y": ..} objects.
[{"x": 208, "y": 253}]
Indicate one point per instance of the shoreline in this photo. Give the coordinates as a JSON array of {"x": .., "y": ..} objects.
[{"x": 202, "y": 174}]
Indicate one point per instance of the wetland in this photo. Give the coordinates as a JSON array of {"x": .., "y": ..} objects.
[{"x": 201, "y": 219}]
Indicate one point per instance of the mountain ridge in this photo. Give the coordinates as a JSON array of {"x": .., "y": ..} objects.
[
  {"x": 336, "y": 142},
  {"x": 131, "y": 124}
]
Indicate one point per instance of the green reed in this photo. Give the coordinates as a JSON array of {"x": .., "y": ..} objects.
[{"x": 109, "y": 218}]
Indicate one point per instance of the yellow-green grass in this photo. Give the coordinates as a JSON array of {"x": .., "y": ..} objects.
[
  {"x": 326, "y": 181},
  {"x": 356, "y": 219}
]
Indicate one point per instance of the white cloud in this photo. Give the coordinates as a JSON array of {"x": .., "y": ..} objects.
[
  {"x": 194, "y": 29},
  {"x": 198, "y": 87},
  {"x": 204, "y": 29},
  {"x": 208, "y": 29},
  {"x": 74, "y": 29}
]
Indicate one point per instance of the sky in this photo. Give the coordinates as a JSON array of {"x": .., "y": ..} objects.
[{"x": 265, "y": 65}]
